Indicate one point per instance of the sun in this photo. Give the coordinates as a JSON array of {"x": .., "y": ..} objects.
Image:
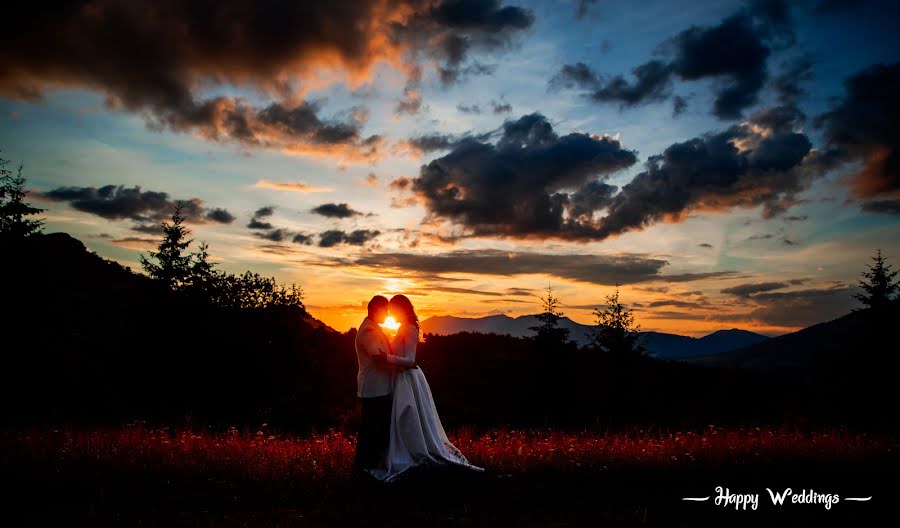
[{"x": 390, "y": 324}]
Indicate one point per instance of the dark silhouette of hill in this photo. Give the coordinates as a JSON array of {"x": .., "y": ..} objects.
[
  {"x": 724, "y": 340},
  {"x": 657, "y": 344},
  {"x": 844, "y": 367},
  {"x": 673, "y": 346},
  {"x": 850, "y": 337},
  {"x": 87, "y": 339},
  {"x": 661, "y": 344}
]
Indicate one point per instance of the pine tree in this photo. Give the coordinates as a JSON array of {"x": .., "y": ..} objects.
[
  {"x": 879, "y": 284},
  {"x": 615, "y": 332},
  {"x": 195, "y": 274},
  {"x": 549, "y": 332},
  {"x": 205, "y": 279},
  {"x": 172, "y": 265},
  {"x": 14, "y": 210}
]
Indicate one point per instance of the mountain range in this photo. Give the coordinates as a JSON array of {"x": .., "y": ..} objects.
[
  {"x": 657, "y": 344},
  {"x": 855, "y": 335}
]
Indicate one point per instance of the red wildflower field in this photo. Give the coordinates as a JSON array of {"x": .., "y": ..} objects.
[
  {"x": 329, "y": 455},
  {"x": 611, "y": 475}
]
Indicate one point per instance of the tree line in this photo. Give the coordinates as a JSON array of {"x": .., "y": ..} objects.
[
  {"x": 614, "y": 331},
  {"x": 195, "y": 275}
]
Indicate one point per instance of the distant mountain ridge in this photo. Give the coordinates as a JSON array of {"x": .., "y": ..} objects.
[
  {"x": 657, "y": 344},
  {"x": 797, "y": 351}
]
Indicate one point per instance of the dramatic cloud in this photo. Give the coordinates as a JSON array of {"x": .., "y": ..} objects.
[
  {"x": 296, "y": 129},
  {"x": 605, "y": 270},
  {"x": 865, "y": 127},
  {"x": 434, "y": 142},
  {"x": 535, "y": 184},
  {"x": 150, "y": 229},
  {"x": 760, "y": 162},
  {"x": 530, "y": 183},
  {"x": 303, "y": 239},
  {"x": 358, "y": 237},
  {"x": 256, "y": 221},
  {"x": 446, "y": 289},
  {"x": 882, "y": 206},
  {"x": 160, "y": 58},
  {"x": 747, "y": 290},
  {"x": 328, "y": 238},
  {"x": 734, "y": 53},
  {"x": 651, "y": 80},
  {"x": 802, "y": 308},
  {"x": 288, "y": 186},
  {"x": 275, "y": 235},
  {"x": 147, "y": 208},
  {"x": 451, "y": 29},
  {"x": 220, "y": 215},
  {"x": 652, "y": 83},
  {"x": 280, "y": 235},
  {"x": 451, "y": 76},
  {"x": 333, "y": 210}
]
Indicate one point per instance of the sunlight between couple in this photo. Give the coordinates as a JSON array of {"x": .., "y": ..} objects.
[{"x": 399, "y": 427}]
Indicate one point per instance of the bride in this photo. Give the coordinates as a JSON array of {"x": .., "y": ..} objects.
[{"x": 416, "y": 434}]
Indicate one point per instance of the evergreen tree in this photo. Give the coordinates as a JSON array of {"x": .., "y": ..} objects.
[
  {"x": 195, "y": 274},
  {"x": 170, "y": 264},
  {"x": 549, "y": 332},
  {"x": 879, "y": 284},
  {"x": 615, "y": 332},
  {"x": 14, "y": 210},
  {"x": 205, "y": 279}
]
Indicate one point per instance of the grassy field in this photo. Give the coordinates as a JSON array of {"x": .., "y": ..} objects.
[{"x": 137, "y": 475}]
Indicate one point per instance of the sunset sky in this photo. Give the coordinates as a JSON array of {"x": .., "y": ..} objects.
[{"x": 730, "y": 164}]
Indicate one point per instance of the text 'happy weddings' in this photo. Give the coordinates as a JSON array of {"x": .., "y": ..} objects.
[{"x": 743, "y": 501}]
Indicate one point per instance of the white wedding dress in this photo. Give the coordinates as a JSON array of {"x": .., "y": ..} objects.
[{"x": 417, "y": 436}]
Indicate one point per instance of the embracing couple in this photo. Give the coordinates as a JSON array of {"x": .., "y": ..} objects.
[{"x": 399, "y": 427}]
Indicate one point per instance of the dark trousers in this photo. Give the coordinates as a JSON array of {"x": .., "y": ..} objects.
[{"x": 374, "y": 432}]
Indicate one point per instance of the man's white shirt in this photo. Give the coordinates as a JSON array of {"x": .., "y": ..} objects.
[{"x": 372, "y": 380}]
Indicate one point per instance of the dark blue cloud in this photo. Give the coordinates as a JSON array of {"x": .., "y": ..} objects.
[
  {"x": 333, "y": 210},
  {"x": 734, "y": 53},
  {"x": 147, "y": 208},
  {"x": 531, "y": 182},
  {"x": 864, "y": 126}
]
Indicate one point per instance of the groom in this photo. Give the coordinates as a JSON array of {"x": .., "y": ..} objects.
[{"x": 373, "y": 388}]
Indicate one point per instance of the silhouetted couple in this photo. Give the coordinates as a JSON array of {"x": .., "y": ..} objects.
[{"x": 399, "y": 428}]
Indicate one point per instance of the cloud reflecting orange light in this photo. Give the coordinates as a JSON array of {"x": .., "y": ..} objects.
[{"x": 291, "y": 186}]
